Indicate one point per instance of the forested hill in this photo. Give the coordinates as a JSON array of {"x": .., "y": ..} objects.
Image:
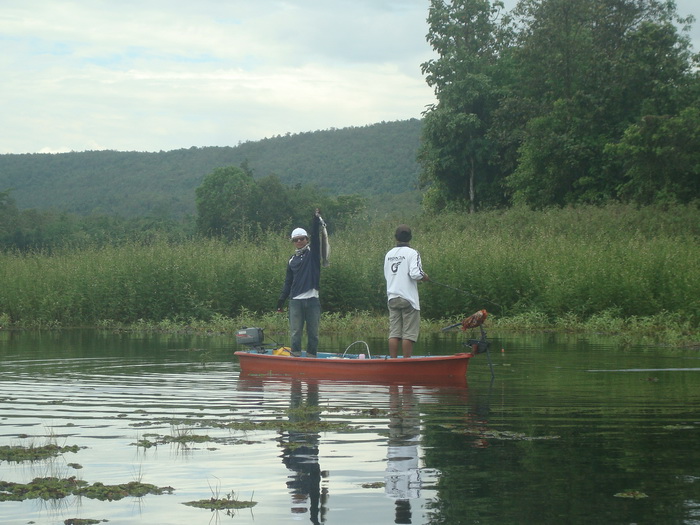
[{"x": 370, "y": 160}]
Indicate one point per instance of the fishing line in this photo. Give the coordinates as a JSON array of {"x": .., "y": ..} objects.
[{"x": 464, "y": 292}]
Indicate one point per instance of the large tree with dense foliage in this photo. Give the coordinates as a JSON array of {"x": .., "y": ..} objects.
[
  {"x": 225, "y": 203},
  {"x": 457, "y": 153},
  {"x": 593, "y": 68},
  {"x": 661, "y": 158},
  {"x": 232, "y": 204},
  {"x": 565, "y": 80}
]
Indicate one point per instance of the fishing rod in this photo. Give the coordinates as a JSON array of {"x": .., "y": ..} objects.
[{"x": 464, "y": 292}]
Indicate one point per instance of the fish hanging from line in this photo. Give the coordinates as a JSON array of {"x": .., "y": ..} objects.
[{"x": 325, "y": 245}]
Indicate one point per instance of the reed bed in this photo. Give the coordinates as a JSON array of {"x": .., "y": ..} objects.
[{"x": 616, "y": 267}]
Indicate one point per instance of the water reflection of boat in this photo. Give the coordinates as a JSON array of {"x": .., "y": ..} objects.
[{"x": 257, "y": 359}]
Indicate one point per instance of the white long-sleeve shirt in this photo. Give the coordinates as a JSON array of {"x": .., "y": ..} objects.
[{"x": 402, "y": 271}]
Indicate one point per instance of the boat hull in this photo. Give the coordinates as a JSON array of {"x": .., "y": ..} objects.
[{"x": 450, "y": 369}]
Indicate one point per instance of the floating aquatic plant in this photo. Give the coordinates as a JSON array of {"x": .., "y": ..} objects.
[
  {"x": 505, "y": 435},
  {"x": 116, "y": 492},
  {"x": 52, "y": 488},
  {"x": 32, "y": 453},
  {"x": 228, "y": 502},
  {"x": 513, "y": 436},
  {"x": 183, "y": 436},
  {"x": 631, "y": 494}
]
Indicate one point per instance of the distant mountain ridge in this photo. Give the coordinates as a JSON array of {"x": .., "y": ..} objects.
[{"x": 371, "y": 160}]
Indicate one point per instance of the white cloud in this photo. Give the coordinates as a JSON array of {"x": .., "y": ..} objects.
[
  {"x": 166, "y": 74},
  {"x": 152, "y": 75}
]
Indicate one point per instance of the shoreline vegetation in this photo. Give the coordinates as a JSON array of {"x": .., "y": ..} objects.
[
  {"x": 649, "y": 331},
  {"x": 614, "y": 269}
]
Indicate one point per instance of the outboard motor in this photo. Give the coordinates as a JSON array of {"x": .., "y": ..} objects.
[
  {"x": 481, "y": 345},
  {"x": 252, "y": 338}
]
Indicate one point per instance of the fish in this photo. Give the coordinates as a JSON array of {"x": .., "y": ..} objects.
[{"x": 325, "y": 245}]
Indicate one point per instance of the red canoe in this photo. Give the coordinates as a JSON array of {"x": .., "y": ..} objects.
[{"x": 436, "y": 370}]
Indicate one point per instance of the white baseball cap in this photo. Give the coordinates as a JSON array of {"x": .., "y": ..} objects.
[{"x": 299, "y": 232}]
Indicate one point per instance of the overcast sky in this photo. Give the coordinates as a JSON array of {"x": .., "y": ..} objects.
[{"x": 150, "y": 75}]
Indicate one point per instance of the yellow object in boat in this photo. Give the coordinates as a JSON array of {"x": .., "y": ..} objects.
[{"x": 283, "y": 350}]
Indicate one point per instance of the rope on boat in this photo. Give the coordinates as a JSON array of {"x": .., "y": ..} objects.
[{"x": 369, "y": 355}]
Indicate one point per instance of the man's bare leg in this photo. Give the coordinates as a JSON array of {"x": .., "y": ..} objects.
[
  {"x": 407, "y": 347},
  {"x": 394, "y": 347}
]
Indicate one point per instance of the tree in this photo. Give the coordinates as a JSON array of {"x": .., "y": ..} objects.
[
  {"x": 555, "y": 159},
  {"x": 661, "y": 159},
  {"x": 8, "y": 216},
  {"x": 590, "y": 69},
  {"x": 456, "y": 153},
  {"x": 225, "y": 203},
  {"x": 232, "y": 204}
]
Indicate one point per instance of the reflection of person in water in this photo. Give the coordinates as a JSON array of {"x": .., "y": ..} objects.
[
  {"x": 300, "y": 454},
  {"x": 402, "y": 477}
]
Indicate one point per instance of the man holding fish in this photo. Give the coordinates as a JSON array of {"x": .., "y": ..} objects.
[{"x": 301, "y": 284}]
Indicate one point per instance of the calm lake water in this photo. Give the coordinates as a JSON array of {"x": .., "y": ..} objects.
[{"x": 573, "y": 429}]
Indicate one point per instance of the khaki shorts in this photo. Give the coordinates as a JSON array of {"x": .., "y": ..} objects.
[{"x": 404, "y": 320}]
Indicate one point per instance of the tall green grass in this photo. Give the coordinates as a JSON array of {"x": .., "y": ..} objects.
[
  {"x": 558, "y": 266},
  {"x": 574, "y": 261}
]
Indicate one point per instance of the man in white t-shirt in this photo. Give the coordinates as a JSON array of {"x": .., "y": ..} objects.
[{"x": 403, "y": 270}]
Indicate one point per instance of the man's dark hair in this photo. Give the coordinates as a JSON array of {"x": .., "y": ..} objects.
[{"x": 403, "y": 233}]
